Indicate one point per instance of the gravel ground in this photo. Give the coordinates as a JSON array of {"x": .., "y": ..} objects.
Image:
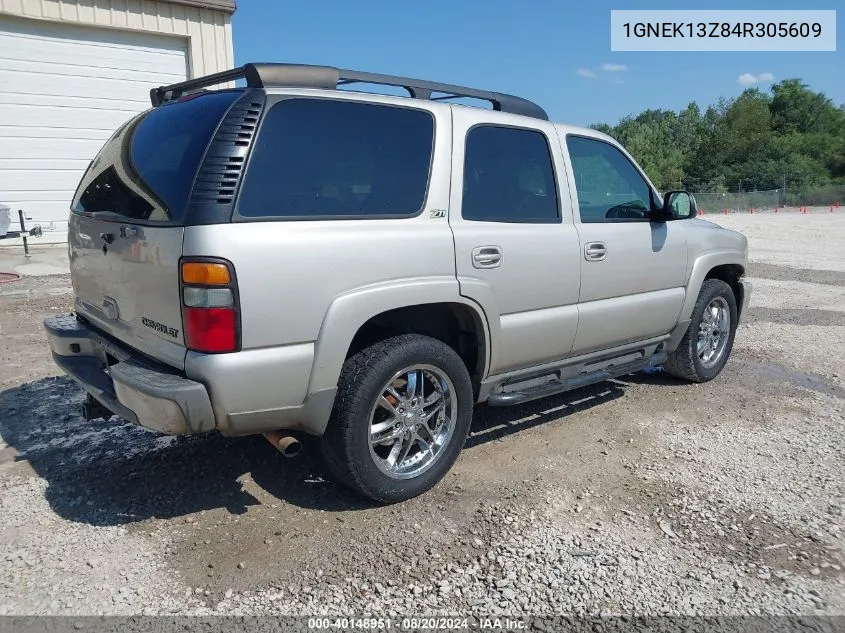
[{"x": 642, "y": 495}]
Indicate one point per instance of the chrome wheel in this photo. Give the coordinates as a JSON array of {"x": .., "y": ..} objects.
[
  {"x": 412, "y": 421},
  {"x": 713, "y": 332}
]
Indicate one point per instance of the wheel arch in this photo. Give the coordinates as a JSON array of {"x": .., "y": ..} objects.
[
  {"x": 435, "y": 309},
  {"x": 722, "y": 264},
  {"x": 730, "y": 274},
  {"x": 714, "y": 265}
]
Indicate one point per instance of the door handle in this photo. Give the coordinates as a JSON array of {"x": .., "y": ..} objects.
[
  {"x": 595, "y": 251},
  {"x": 128, "y": 231},
  {"x": 486, "y": 257}
]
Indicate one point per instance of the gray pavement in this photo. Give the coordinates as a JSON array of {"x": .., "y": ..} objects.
[{"x": 44, "y": 259}]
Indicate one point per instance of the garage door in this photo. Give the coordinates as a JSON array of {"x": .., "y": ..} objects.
[{"x": 63, "y": 91}]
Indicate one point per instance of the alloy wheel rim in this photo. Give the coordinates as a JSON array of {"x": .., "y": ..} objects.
[
  {"x": 412, "y": 421},
  {"x": 713, "y": 332}
]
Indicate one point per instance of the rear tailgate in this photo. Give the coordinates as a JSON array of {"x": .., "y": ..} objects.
[
  {"x": 127, "y": 224},
  {"x": 126, "y": 281}
]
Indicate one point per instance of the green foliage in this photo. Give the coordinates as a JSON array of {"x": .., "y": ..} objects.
[{"x": 759, "y": 140}]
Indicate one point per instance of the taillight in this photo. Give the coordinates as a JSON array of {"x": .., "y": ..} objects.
[{"x": 210, "y": 306}]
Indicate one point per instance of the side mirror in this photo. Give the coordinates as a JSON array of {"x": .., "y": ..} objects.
[{"x": 677, "y": 205}]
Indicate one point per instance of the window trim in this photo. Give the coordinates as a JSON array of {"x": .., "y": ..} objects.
[
  {"x": 273, "y": 101},
  {"x": 559, "y": 209},
  {"x": 655, "y": 195}
]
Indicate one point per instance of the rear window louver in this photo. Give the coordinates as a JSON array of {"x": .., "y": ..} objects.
[{"x": 220, "y": 174}]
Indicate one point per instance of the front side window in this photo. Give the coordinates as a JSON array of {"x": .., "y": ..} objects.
[
  {"x": 508, "y": 176},
  {"x": 609, "y": 187},
  {"x": 332, "y": 158}
]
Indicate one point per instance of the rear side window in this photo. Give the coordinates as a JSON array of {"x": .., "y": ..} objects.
[
  {"x": 508, "y": 176},
  {"x": 146, "y": 170},
  {"x": 329, "y": 158}
]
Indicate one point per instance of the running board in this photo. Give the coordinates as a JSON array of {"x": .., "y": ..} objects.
[{"x": 506, "y": 399}]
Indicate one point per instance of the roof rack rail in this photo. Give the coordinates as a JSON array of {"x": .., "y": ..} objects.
[{"x": 308, "y": 76}]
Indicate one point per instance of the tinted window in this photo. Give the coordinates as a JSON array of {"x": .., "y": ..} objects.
[
  {"x": 609, "y": 187},
  {"x": 145, "y": 171},
  {"x": 109, "y": 192},
  {"x": 508, "y": 176},
  {"x": 170, "y": 141},
  {"x": 324, "y": 157}
]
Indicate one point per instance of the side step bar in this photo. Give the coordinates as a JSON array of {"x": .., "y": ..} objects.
[{"x": 506, "y": 399}]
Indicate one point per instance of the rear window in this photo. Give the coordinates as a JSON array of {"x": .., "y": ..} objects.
[
  {"x": 331, "y": 158},
  {"x": 146, "y": 170}
]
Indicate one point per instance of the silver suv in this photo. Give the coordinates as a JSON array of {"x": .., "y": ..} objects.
[{"x": 296, "y": 257}]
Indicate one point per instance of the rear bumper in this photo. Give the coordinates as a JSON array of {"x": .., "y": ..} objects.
[{"x": 146, "y": 393}]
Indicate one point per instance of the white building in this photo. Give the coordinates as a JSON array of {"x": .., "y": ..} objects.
[{"x": 71, "y": 71}]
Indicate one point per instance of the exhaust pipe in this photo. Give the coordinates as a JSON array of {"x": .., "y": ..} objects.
[{"x": 287, "y": 445}]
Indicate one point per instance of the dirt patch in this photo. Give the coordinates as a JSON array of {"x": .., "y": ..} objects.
[
  {"x": 787, "y": 273},
  {"x": 797, "y": 317},
  {"x": 25, "y": 354}
]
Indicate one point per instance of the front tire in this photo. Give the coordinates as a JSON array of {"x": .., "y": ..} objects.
[
  {"x": 401, "y": 416},
  {"x": 707, "y": 344}
]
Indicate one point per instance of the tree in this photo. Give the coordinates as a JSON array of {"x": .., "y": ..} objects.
[
  {"x": 796, "y": 108},
  {"x": 759, "y": 139}
]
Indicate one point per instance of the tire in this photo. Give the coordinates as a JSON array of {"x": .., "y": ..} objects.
[
  {"x": 686, "y": 361},
  {"x": 362, "y": 461}
]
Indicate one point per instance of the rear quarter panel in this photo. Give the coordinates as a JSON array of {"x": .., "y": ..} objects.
[{"x": 290, "y": 272}]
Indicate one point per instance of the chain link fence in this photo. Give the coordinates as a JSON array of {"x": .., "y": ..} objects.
[
  {"x": 713, "y": 202},
  {"x": 832, "y": 195}
]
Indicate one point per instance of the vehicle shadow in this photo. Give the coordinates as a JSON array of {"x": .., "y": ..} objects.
[
  {"x": 651, "y": 376},
  {"x": 112, "y": 472},
  {"x": 494, "y": 423}
]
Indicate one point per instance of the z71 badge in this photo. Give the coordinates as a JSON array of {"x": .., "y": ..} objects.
[{"x": 160, "y": 327}]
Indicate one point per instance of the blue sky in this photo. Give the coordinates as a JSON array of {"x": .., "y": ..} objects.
[{"x": 545, "y": 50}]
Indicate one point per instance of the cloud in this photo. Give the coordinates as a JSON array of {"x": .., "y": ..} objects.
[
  {"x": 585, "y": 72},
  {"x": 747, "y": 79},
  {"x": 614, "y": 68}
]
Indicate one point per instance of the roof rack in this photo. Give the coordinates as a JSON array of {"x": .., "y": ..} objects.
[{"x": 307, "y": 76}]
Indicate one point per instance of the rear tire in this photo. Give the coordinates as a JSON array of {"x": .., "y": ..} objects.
[
  {"x": 394, "y": 399},
  {"x": 707, "y": 344}
]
